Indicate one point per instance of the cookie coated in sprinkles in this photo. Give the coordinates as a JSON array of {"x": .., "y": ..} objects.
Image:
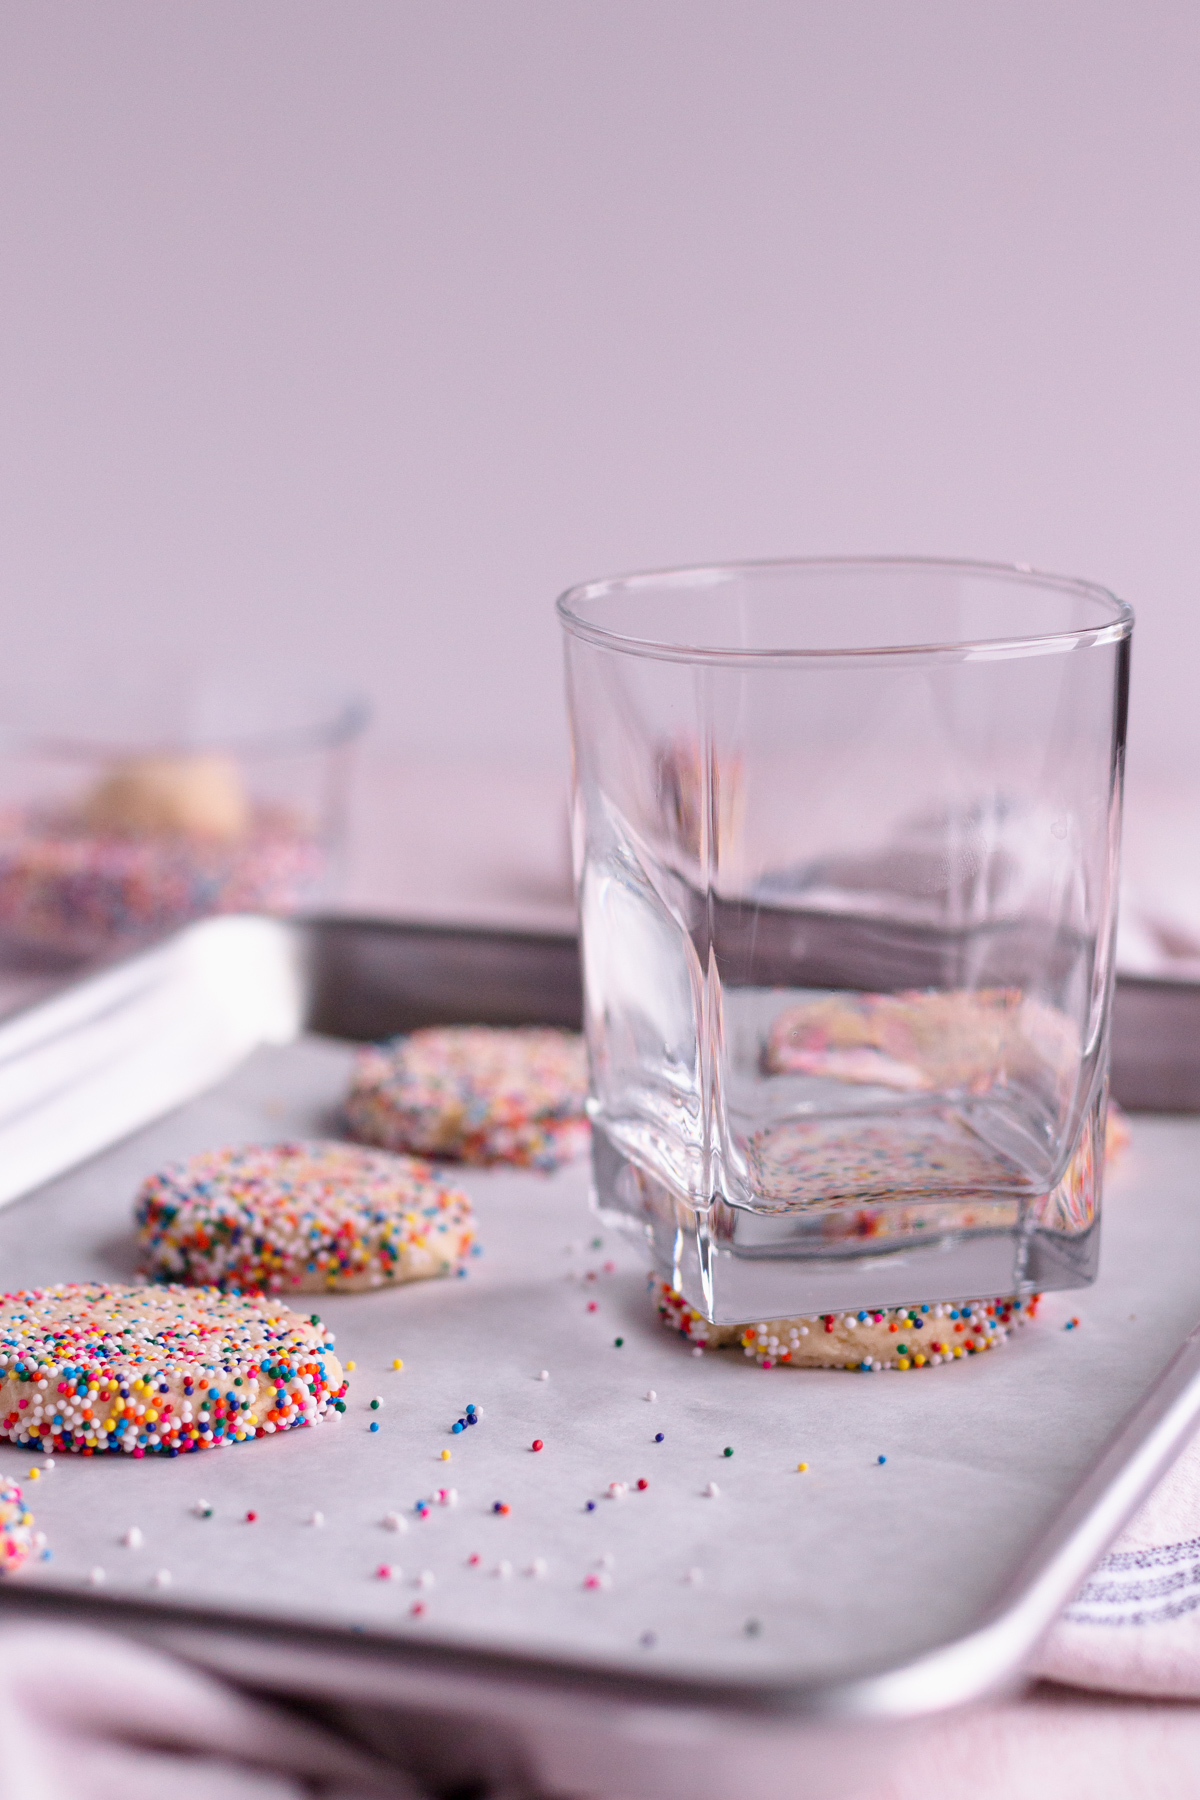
[
  {"x": 306, "y": 1217},
  {"x": 474, "y": 1094},
  {"x": 18, "y": 1539},
  {"x": 865, "y": 1342},
  {"x": 143, "y": 1371}
]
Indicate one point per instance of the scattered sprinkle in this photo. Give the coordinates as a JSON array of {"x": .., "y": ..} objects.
[
  {"x": 1071, "y": 1325},
  {"x": 881, "y": 1459},
  {"x": 728, "y": 1450},
  {"x": 397, "y": 1362},
  {"x": 417, "y": 1609},
  {"x": 502, "y": 1507},
  {"x": 694, "y": 1578},
  {"x": 752, "y": 1627},
  {"x": 660, "y": 1437},
  {"x": 250, "y": 1517},
  {"x": 424, "y": 1579},
  {"x": 445, "y": 1456},
  {"x": 317, "y": 1518},
  {"x": 648, "y": 1640},
  {"x": 802, "y": 1468},
  {"x": 643, "y": 1484},
  {"x": 376, "y": 1403},
  {"x": 617, "y": 1490},
  {"x": 203, "y": 1509},
  {"x": 617, "y": 1342},
  {"x": 538, "y": 1444},
  {"x": 590, "y": 1507},
  {"x": 374, "y": 1426},
  {"x": 544, "y": 1375},
  {"x": 97, "y": 1577},
  {"x": 502, "y": 1570},
  {"x": 162, "y": 1578},
  {"x": 350, "y": 1367},
  {"x": 591, "y": 1306},
  {"x": 133, "y": 1538},
  {"x": 650, "y": 1394},
  {"x": 712, "y": 1491},
  {"x": 394, "y": 1521},
  {"x": 386, "y": 1572},
  {"x": 537, "y": 1567}
]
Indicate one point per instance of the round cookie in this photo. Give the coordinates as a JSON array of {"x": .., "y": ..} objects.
[
  {"x": 475, "y": 1094},
  {"x": 303, "y": 1218},
  {"x": 18, "y": 1539},
  {"x": 892, "y": 1337},
  {"x": 158, "y": 1370},
  {"x": 189, "y": 794}
]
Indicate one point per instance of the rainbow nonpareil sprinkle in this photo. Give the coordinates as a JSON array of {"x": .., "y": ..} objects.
[{"x": 80, "y": 892}]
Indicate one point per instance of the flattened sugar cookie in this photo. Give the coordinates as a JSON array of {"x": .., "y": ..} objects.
[
  {"x": 475, "y": 1094},
  {"x": 18, "y": 1539},
  {"x": 157, "y": 1370},
  {"x": 892, "y": 1337},
  {"x": 923, "y": 1041},
  {"x": 301, "y": 1218}
]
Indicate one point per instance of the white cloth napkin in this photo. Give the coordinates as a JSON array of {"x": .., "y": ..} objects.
[
  {"x": 86, "y": 1716},
  {"x": 1135, "y": 1626}
]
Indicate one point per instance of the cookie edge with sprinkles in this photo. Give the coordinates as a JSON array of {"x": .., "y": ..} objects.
[
  {"x": 176, "y": 1418},
  {"x": 853, "y": 1341}
]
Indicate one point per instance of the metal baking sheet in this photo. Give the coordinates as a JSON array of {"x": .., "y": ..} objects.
[{"x": 857, "y": 1590}]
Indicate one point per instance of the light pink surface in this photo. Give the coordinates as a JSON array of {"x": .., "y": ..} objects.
[{"x": 350, "y": 335}]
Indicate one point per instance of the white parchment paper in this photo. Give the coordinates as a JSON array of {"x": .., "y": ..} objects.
[{"x": 842, "y": 1569}]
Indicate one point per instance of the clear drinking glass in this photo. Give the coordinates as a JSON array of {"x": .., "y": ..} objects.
[{"x": 846, "y": 842}]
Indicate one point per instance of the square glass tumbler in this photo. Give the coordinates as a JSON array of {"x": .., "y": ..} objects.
[{"x": 846, "y": 840}]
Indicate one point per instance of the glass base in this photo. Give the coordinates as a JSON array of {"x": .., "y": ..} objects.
[{"x": 738, "y": 1263}]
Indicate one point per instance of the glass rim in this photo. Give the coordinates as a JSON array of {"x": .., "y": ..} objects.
[
  {"x": 1117, "y": 626},
  {"x": 341, "y": 723}
]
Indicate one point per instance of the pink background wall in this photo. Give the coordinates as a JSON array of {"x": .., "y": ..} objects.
[{"x": 363, "y": 328}]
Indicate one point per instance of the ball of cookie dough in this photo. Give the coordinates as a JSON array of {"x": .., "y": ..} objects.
[
  {"x": 159, "y": 1370},
  {"x": 301, "y": 1218},
  {"x": 475, "y": 1094},
  {"x": 197, "y": 795},
  {"x": 891, "y": 1337},
  {"x": 18, "y": 1539}
]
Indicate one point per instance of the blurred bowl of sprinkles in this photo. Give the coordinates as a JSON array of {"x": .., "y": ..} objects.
[{"x": 131, "y": 820}]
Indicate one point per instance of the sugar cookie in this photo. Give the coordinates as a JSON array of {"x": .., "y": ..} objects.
[
  {"x": 301, "y": 1218},
  {"x": 184, "y": 794},
  {"x": 17, "y": 1535},
  {"x": 891, "y": 1337},
  {"x": 475, "y": 1094},
  {"x": 93, "y": 1368},
  {"x": 920, "y": 1042}
]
